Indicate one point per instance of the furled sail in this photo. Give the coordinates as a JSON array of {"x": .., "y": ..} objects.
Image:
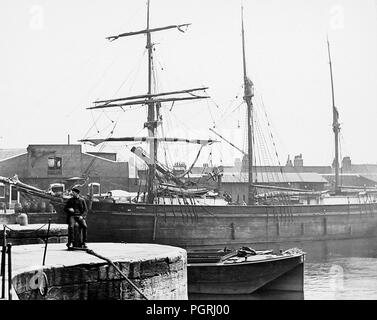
[
  {"x": 159, "y": 167},
  {"x": 147, "y": 159},
  {"x": 181, "y": 191},
  {"x": 179, "y": 186}
]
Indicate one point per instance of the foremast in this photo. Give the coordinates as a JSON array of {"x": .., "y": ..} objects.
[
  {"x": 153, "y": 102},
  {"x": 335, "y": 126},
  {"x": 248, "y": 95}
]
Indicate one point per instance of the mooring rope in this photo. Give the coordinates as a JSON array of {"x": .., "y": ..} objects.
[{"x": 116, "y": 268}]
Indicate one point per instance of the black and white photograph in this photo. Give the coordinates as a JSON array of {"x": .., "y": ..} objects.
[{"x": 197, "y": 151}]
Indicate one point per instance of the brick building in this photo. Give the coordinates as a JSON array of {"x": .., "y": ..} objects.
[{"x": 43, "y": 165}]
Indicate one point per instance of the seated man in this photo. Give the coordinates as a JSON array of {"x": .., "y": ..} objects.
[{"x": 76, "y": 210}]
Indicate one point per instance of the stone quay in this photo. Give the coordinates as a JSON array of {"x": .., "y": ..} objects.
[{"x": 158, "y": 272}]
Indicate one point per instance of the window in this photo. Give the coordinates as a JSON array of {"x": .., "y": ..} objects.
[{"x": 54, "y": 165}]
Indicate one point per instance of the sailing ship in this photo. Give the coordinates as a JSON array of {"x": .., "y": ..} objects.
[{"x": 172, "y": 210}]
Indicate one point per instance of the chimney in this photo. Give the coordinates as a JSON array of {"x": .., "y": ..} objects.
[
  {"x": 346, "y": 165},
  {"x": 298, "y": 161},
  {"x": 289, "y": 162}
]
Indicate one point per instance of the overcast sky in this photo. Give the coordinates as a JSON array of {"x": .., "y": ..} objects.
[{"x": 55, "y": 61}]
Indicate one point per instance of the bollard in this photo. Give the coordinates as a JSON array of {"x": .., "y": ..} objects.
[
  {"x": 9, "y": 247},
  {"x": 22, "y": 219}
]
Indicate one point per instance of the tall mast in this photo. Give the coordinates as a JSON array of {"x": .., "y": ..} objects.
[
  {"x": 151, "y": 123},
  {"x": 335, "y": 125},
  {"x": 151, "y": 99},
  {"x": 248, "y": 95}
]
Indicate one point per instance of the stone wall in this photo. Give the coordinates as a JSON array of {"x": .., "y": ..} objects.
[{"x": 158, "y": 278}]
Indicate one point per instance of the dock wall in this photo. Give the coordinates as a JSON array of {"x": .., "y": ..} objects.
[{"x": 160, "y": 272}]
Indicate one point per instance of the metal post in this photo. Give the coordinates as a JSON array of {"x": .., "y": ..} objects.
[
  {"x": 3, "y": 249},
  {"x": 9, "y": 247},
  {"x": 48, "y": 232},
  {"x": 2, "y": 246},
  {"x": 3, "y": 257}
]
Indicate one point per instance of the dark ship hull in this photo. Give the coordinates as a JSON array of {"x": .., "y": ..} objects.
[
  {"x": 247, "y": 275},
  {"x": 195, "y": 226}
]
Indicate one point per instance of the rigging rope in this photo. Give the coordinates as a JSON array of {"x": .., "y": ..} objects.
[
  {"x": 267, "y": 158},
  {"x": 209, "y": 110},
  {"x": 272, "y": 138},
  {"x": 260, "y": 161},
  {"x": 226, "y": 109}
]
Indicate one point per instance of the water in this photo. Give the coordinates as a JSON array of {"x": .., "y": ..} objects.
[
  {"x": 341, "y": 278},
  {"x": 339, "y": 270},
  {"x": 334, "y": 270}
]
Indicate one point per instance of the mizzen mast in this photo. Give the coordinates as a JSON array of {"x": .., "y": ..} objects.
[
  {"x": 248, "y": 95},
  {"x": 335, "y": 125}
]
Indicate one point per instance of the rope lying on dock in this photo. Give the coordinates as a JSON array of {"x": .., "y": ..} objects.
[{"x": 116, "y": 268}]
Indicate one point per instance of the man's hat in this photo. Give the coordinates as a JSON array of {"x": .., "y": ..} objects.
[{"x": 76, "y": 190}]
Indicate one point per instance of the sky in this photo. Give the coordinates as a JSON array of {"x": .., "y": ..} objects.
[{"x": 55, "y": 61}]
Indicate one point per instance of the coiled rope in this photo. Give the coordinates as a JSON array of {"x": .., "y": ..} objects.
[{"x": 39, "y": 281}]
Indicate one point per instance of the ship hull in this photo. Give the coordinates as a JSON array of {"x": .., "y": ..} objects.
[
  {"x": 245, "y": 277},
  {"x": 228, "y": 226}
]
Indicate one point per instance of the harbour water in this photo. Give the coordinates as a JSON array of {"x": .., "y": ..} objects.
[
  {"x": 334, "y": 270},
  {"x": 339, "y": 270}
]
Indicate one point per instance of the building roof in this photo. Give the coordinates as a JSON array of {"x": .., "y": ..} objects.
[
  {"x": 9, "y": 153},
  {"x": 364, "y": 168},
  {"x": 349, "y": 178},
  {"x": 372, "y": 177},
  {"x": 275, "y": 177}
]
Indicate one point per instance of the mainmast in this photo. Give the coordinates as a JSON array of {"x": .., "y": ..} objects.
[
  {"x": 248, "y": 95},
  {"x": 151, "y": 123},
  {"x": 335, "y": 126}
]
